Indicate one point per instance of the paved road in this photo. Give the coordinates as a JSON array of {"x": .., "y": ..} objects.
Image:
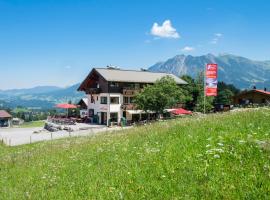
[{"x": 19, "y": 136}]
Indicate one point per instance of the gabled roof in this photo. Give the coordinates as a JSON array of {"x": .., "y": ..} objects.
[
  {"x": 262, "y": 91},
  {"x": 4, "y": 114},
  {"x": 134, "y": 76},
  {"x": 83, "y": 100},
  {"x": 254, "y": 91},
  {"x": 130, "y": 76}
]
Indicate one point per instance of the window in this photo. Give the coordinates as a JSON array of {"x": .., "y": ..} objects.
[
  {"x": 137, "y": 85},
  {"x": 114, "y": 84},
  {"x": 91, "y": 112},
  {"x": 131, "y": 85},
  {"x": 126, "y": 100},
  {"x": 103, "y": 100},
  {"x": 92, "y": 99},
  {"x": 114, "y": 100}
]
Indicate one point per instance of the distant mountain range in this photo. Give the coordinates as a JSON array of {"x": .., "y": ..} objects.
[
  {"x": 41, "y": 97},
  {"x": 244, "y": 73}
]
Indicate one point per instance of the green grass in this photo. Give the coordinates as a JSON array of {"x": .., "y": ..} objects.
[
  {"x": 32, "y": 124},
  {"x": 221, "y": 156}
]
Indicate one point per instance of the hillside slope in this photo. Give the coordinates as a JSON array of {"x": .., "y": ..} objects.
[
  {"x": 240, "y": 71},
  {"x": 44, "y": 97},
  {"x": 221, "y": 156}
]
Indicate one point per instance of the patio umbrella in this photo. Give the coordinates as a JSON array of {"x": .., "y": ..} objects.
[
  {"x": 181, "y": 111},
  {"x": 66, "y": 106}
]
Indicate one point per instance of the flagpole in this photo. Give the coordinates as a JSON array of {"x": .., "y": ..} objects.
[{"x": 204, "y": 98}]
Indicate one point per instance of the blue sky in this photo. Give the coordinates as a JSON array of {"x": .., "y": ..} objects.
[{"x": 58, "y": 42}]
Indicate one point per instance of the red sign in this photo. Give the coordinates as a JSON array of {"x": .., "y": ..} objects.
[
  {"x": 211, "y": 80},
  {"x": 211, "y": 91},
  {"x": 211, "y": 71}
]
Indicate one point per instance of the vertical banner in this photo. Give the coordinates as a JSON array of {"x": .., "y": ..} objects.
[{"x": 211, "y": 80}]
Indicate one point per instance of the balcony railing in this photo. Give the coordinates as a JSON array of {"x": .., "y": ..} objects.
[
  {"x": 131, "y": 91},
  {"x": 93, "y": 90},
  {"x": 130, "y": 106}
]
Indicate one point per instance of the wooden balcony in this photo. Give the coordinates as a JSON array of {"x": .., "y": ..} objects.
[
  {"x": 93, "y": 90},
  {"x": 131, "y": 91},
  {"x": 130, "y": 106}
]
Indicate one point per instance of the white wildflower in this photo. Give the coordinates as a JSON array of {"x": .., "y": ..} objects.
[
  {"x": 216, "y": 156},
  {"x": 220, "y": 144},
  {"x": 242, "y": 141}
]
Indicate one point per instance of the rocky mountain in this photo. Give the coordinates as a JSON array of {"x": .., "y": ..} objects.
[
  {"x": 42, "y": 97},
  {"x": 242, "y": 72}
]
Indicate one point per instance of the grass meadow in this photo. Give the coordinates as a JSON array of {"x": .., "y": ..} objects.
[{"x": 219, "y": 156}]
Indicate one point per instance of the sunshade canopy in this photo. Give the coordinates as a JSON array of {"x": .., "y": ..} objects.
[
  {"x": 181, "y": 111},
  {"x": 65, "y": 106}
]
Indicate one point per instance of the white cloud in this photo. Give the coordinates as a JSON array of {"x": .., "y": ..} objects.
[
  {"x": 218, "y": 34},
  {"x": 188, "y": 49},
  {"x": 216, "y": 38},
  {"x": 166, "y": 30}
]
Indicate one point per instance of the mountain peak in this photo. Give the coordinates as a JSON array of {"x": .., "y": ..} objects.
[{"x": 240, "y": 71}]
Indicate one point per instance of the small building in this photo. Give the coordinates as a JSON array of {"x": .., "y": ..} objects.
[
  {"x": 83, "y": 105},
  {"x": 252, "y": 97},
  {"x": 5, "y": 119},
  {"x": 111, "y": 92}
]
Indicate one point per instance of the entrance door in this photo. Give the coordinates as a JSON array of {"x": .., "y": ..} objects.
[{"x": 103, "y": 118}]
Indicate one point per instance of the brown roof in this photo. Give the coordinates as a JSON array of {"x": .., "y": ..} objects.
[
  {"x": 130, "y": 76},
  {"x": 262, "y": 91},
  {"x": 4, "y": 114}
]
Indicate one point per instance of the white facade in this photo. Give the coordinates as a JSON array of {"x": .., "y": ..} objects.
[
  {"x": 83, "y": 113},
  {"x": 99, "y": 108}
]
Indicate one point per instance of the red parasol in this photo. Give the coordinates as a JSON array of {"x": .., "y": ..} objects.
[
  {"x": 181, "y": 111},
  {"x": 65, "y": 106}
]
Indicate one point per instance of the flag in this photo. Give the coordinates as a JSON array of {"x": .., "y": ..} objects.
[{"x": 211, "y": 80}]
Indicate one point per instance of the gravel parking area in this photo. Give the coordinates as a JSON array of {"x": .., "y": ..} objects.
[{"x": 19, "y": 136}]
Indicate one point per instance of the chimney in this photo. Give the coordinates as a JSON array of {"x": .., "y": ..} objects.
[
  {"x": 254, "y": 87},
  {"x": 265, "y": 89}
]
